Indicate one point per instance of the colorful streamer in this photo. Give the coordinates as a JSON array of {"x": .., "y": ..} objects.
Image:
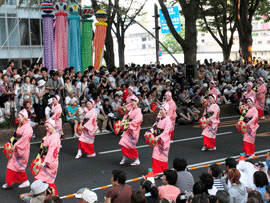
[
  {"x": 87, "y": 36},
  {"x": 74, "y": 40},
  {"x": 99, "y": 39},
  {"x": 49, "y": 51},
  {"x": 61, "y": 35}
]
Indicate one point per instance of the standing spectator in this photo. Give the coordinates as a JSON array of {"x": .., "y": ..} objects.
[
  {"x": 215, "y": 171},
  {"x": 71, "y": 116},
  {"x": 112, "y": 81},
  {"x": 55, "y": 86},
  {"x": 168, "y": 190},
  {"x": 81, "y": 88},
  {"x": 6, "y": 91},
  {"x": 39, "y": 104},
  {"x": 120, "y": 192},
  {"x": 27, "y": 91},
  {"x": 185, "y": 180},
  {"x": 68, "y": 86},
  {"x": 184, "y": 115},
  {"x": 44, "y": 73}
]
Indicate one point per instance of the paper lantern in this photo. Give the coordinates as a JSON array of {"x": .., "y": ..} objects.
[
  {"x": 61, "y": 5},
  {"x": 47, "y": 7},
  {"x": 87, "y": 12},
  {"x": 101, "y": 15},
  {"x": 73, "y": 9}
]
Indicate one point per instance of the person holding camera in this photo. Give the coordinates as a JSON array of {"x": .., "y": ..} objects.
[
  {"x": 55, "y": 86},
  {"x": 39, "y": 191},
  {"x": 51, "y": 146}
]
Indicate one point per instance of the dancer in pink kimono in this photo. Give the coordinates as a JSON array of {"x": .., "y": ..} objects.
[
  {"x": 86, "y": 140},
  {"x": 20, "y": 154},
  {"x": 248, "y": 93},
  {"x": 260, "y": 98},
  {"x": 172, "y": 111},
  {"x": 251, "y": 119},
  {"x": 128, "y": 104},
  {"x": 212, "y": 90},
  {"x": 212, "y": 116},
  {"x": 57, "y": 111},
  {"x": 162, "y": 147},
  {"x": 131, "y": 135},
  {"x": 49, "y": 160}
]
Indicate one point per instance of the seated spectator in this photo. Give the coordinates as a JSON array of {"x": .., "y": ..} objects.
[
  {"x": 199, "y": 198},
  {"x": 39, "y": 190},
  {"x": 52, "y": 199},
  {"x": 69, "y": 97},
  {"x": 267, "y": 193},
  {"x": 184, "y": 198},
  {"x": 120, "y": 192},
  {"x": 261, "y": 181},
  {"x": 222, "y": 196},
  {"x": 168, "y": 190},
  {"x": 257, "y": 195},
  {"x": 229, "y": 94},
  {"x": 109, "y": 113},
  {"x": 71, "y": 116},
  {"x": 184, "y": 96},
  {"x": 81, "y": 111},
  {"x": 149, "y": 190},
  {"x": 138, "y": 197},
  {"x": 85, "y": 195},
  {"x": 100, "y": 114},
  {"x": 184, "y": 115},
  {"x": 200, "y": 188},
  {"x": 185, "y": 180},
  {"x": 238, "y": 193},
  {"x": 215, "y": 171},
  {"x": 2, "y": 116},
  {"x": 162, "y": 200},
  {"x": 267, "y": 103},
  {"x": 208, "y": 181},
  {"x": 194, "y": 111},
  {"x": 68, "y": 86}
]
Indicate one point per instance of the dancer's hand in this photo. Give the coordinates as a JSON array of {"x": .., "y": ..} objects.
[{"x": 42, "y": 164}]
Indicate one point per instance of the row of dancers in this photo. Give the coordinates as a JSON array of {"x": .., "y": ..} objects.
[{"x": 163, "y": 135}]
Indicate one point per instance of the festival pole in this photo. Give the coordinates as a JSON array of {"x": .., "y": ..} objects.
[
  {"x": 74, "y": 40},
  {"x": 99, "y": 38},
  {"x": 49, "y": 51},
  {"x": 61, "y": 35},
  {"x": 87, "y": 36}
]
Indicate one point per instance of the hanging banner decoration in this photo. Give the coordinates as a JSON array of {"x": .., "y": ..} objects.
[
  {"x": 99, "y": 38},
  {"x": 87, "y": 36},
  {"x": 175, "y": 18},
  {"x": 74, "y": 38},
  {"x": 48, "y": 40},
  {"x": 61, "y": 35}
]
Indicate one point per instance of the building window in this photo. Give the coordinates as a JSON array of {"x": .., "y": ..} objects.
[
  {"x": 14, "y": 29},
  {"x": 3, "y": 63},
  {"x": 143, "y": 39},
  {"x": 24, "y": 32},
  {"x": 202, "y": 40},
  {"x": 202, "y": 34},
  {"x": 143, "y": 46},
  {"x": 259, "y": 42},
  {"x": 35, "y": 31},
  {"x": 11, "y": 2},
  {"x": 3, "y": 29}
]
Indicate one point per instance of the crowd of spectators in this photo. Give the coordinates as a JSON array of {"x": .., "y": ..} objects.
[
  {"x": 178, "y": 186},
  {"x": 32, "y": 87}
]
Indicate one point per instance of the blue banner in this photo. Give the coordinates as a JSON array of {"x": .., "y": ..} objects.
[{"x": 175, "y": 18}]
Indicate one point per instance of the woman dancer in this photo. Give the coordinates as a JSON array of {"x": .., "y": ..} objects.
[
  {"x": 131, "y": 135},
  {"x": 172, "y": 111},
  {"x": 57, "y": 111},
  {"x": 251, "y": 119},
  {"x": 260, "y": 98},
  {"x": 212, "y": 117},
  {"x": 49, "y": 159},
  {"x": 212, "y": 90},
  {"x": 247, "y": 94},
  {"x": 162, "y": 147},
  {"x": 20, "y": 154},
  {"x": 86, "y": 140}
]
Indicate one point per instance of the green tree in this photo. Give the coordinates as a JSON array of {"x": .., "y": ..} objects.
[
  {"x": 219, "y": 17},
  {"x": 171, "y": 44}
]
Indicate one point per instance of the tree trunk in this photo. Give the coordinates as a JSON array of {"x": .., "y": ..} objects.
[
  {"x": 247, "y": 47},
  {"x": 190, "y": 47},
  {"x": 226, "y": 50},
  {"x": 121, "y": 51},
  {"x": 109, "y": 53}
]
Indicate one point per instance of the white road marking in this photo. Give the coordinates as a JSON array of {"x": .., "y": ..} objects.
[
  {"x": 229, "y": 117},
  {"x": 181, "y": 140}
]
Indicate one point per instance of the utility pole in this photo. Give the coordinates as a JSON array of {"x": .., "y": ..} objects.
[{"x": 156, "y": 31}]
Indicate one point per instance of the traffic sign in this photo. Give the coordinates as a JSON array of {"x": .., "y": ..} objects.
[
  {"x": 175, "y": 18},
  {"x": 159, "y": 53}
]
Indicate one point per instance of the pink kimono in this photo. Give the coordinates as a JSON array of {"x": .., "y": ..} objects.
[
  {"x": 210, "y": 132},
  {"x": 213, "y": 91},
  {"x": 249, "y": 136},
  {"x": 260, "y": 99},
  {"x": 161, "y": 149},
  {"x": 131, "y": 135},
  {"x": 172, "y": 114},
  {"x": 17, "y": 164},
  {"x": 57, "y": 111},
  {"x": 86, "y": 140},
  {"x": 48, "y": 172},
  {"x": 128, "y": 106}
]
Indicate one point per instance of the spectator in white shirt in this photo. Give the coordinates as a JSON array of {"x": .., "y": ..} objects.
[
  {"x": 111, "y": 78},
  {"x": 68, "y": 98},
  {"x": 48, "y": 109},
  {"x": 81, "y": 88},
  {"x": 2, "y": 119},
  {"x": 229, "y": 92}
]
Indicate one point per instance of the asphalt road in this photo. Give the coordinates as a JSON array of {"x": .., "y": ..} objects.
[{"x": 96, "y": 172}]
